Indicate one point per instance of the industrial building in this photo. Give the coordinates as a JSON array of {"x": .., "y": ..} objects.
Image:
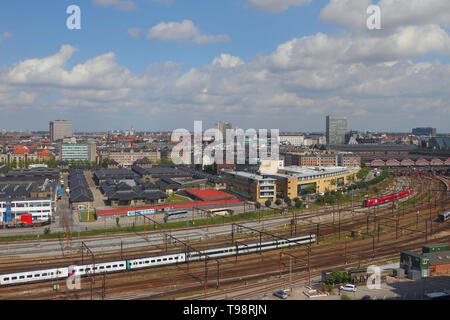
[{"x": 434, "y": 260}]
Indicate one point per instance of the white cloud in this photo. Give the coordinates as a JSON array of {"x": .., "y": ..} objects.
[
  {"x": 394, "y": 14},
  {"x": 227, "y": 61},
  {"x": 370, "y": 77},
  {"x": 276, "y": 6},
  {"x": 186, "y": 30}
]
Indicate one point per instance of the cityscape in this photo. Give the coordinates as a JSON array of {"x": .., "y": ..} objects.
[{"x": 286, "y": 173}]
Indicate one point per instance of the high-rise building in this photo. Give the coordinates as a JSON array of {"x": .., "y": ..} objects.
[
  {"x": 222, "y": 127},
  {"x": 60, "y": 129},
  {"x": 336, "y": 129},
  {"x": 424, "y": 132}
]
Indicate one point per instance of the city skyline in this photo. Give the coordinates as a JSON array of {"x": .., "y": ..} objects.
[{"x": 162, "y": 65}]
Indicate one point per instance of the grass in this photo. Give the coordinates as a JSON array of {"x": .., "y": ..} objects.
[
  {"x": 174, "y": 198},
  {"x": 415, "y": 200}
]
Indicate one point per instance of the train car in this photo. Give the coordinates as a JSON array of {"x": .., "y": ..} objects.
[
  {"x": 443, "y": 217},
  {"x": 33, "y": 276},
  {"x": 155, "y": 261},
  {"x": 152, "y": 261},
  {"x": 386, "y": 199},
  {"x": 98, "y": 268}
]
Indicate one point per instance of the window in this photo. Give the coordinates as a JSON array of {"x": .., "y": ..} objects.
[
  {"x": 22, "y": 277},
  {"x": 102, "y": 267},
  {"x": 38, "y": 275},
  {"x": 44, "y": 274},
  {"x": 108, "y": 267},
  {"x": 29, "y": 276},
  {"x": 5, "y": 279},
  {"x": 159, "y": 260},
  {"x": 14, "y": 278},
  {"x": 115, "y": 266}
]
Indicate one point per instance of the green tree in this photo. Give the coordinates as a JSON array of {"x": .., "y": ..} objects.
[
  {"x": 257, "y": 205},
  {"x": 288, "y": 201},
  {"x": 268, "y": 203},
  {"x": 278, "y": 202}
]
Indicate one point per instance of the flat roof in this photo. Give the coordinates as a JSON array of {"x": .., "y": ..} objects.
[
  {"x": 210, "y": 194},
  {"x": 312, "y": 172}
]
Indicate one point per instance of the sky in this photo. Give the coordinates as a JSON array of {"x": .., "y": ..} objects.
[{"x": 277, "y": 64}]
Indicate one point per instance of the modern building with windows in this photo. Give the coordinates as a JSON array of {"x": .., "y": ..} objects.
[
  {"x": 430, "y": 132},
  {"x": 294, "y": 181},
  {"x": 336, "y": 128},
  {"x": 78, "y": 151},
  {"x": 60, "y": 129},
  {"x": 251, "y": 186}
]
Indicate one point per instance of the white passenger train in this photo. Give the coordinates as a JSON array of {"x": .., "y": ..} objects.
[{"x": 24, "y": 277}]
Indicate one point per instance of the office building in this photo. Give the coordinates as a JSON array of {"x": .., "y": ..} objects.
[
  {"x": 222, "y": 127},
  {"x": 60, "y": 129},
  {"x": 431, "y": 132},
  {"x": 79, "y": 152},
  {"x": 336, "y": 129}
]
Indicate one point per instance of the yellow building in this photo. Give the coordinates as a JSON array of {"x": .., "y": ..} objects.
[{"x": 296, "y": 181}]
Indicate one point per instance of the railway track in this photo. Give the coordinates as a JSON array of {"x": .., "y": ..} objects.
[{"x": 180, "y": 280}]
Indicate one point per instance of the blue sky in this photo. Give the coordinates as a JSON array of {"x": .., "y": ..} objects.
[
  {"x": 283, "y": 66},
  {"x": 41, "y": 29}
]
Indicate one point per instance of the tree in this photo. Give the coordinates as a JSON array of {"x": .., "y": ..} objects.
[
  {"x": 268, "y": 203},
  {"x": 117, "y": 222},
  {"x": 278, "y": 202},
  {"x": 298, "y": 204},
  {"x": 288, "y": 201},
  {"x": 257, "y": 205}
]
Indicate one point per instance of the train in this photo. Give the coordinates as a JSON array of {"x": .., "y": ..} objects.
[
  {"x": 386, "y": 199},
  {"x": 51, "y": 274}
]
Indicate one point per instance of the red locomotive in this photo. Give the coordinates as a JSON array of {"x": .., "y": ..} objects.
[{"x": 381, "y": 200}]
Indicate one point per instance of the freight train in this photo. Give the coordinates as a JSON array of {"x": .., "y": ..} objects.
[
  {"x": 52, "y": 274},
  {"x": 381, "y": 200}
]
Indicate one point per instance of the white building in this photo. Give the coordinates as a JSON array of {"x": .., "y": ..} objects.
[
  {"x": 292, "y": 139},
  {"x": 41, "y": 209}
]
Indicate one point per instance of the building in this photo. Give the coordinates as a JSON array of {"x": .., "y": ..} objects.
[
  {"x": 294, "y": 181},
  {"x": 430, "y": 132},
  {"x": 60, "y": 129},
  {"x": 336, "y": 128},
  {"x": 222, "y": 127},
  {"x": 434, "y": 260},
  {"x": 251, "y": 186},
  {"x": 127, "y": 156},
  {"x": 292, "y": 139},
  {"x": 28, "y": 193},
  {"x": 79, "y": 152}
]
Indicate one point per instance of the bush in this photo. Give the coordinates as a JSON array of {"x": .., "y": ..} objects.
[
  {"x": 257, "y": 205},
  {"x": 268, "y": 203},
  {"x": 298, "y": 204},
  {"x": 278, "y": 202},
  {"x": 345, "y": 297},
  {"x": 288, "y": 201},
  {"x": 337, "y": 277},
  {"x": 47, "y": 231}
]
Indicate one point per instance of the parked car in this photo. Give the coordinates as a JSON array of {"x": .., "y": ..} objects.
[
  {"x": 348, "y": 287},
  {"x": 280, "y": 294},
  {"x": 366, "y": 297}
]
